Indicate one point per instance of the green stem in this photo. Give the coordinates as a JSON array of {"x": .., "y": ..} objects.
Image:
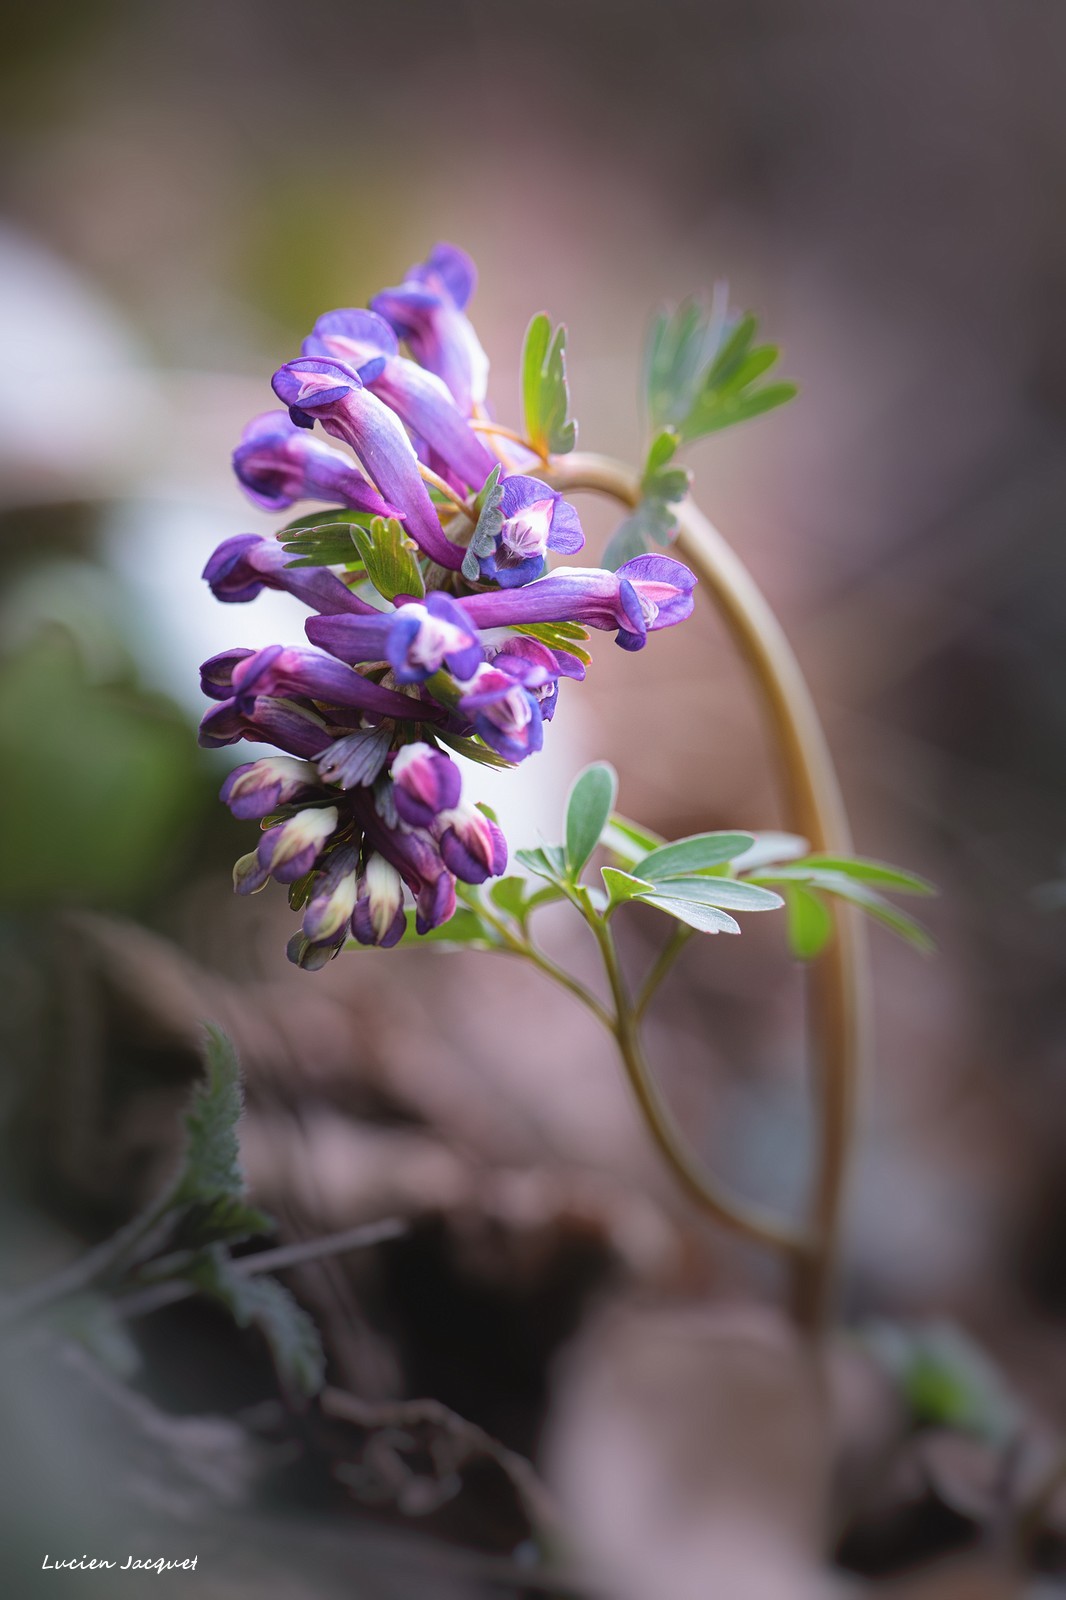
[
  {"x": 749, "y": 1222},
  {"x": 515, "y": 944},
  {"x": 666, "y": 958}
]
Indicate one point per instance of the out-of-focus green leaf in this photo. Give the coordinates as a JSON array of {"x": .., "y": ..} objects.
[
  {"x": 835, "y": 881},
  {"x": 266, "y": 1304},
  {"x": 654, "y": 522},
  {"x": 588, "y": 807},
  {"x": 769, "y": 847},
  {"x": 876, "y": 872},
  {"x": 945, "y": 1379},
  {"x": 545, "y": 394},
  {"x": 684, "y": 857},
  {"x": 628, "y": 842},
  {"x": 101, "y": 783},
  {"x": 810, "y": 921},
  {"x": 509, "y": 895},
  {"x": 210, "y": 1185}
]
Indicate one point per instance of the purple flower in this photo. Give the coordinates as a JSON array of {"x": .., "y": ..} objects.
[
  {"x": 287, "y": 851},
  {"x": 502, "y": 709},
  {"x": 378, "y": 916},
  {"x": 283, "y": 723},
  {"x": 333, "y": 393},
  {"x": 540, "y": 670},
  {"x": 472, "y": 845},
  {"x": 278, "y": 463},
  {"x": 216, "y": 673},
  {"x": 427, "y": 310},
  {"x": 356, "y": 759},
  {"x": 248, "y": 562},
  {"x": 646, "y": 593},
  {"x": 535, "y": 519},
  {"x": 425, "y": 782},
  {"x": 284, "y": 670},
  {"x": 416, "y": 639},
  {"x": 418, "y": 397},
  {"x": 260, "y": 787},
  {"x": 332, "y": 897},
  {"x": 415, "y": 855}
]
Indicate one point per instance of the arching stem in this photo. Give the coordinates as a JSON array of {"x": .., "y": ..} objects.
[{"x": 814, "y": 808}]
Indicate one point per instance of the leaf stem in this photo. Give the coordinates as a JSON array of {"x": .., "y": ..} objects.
[
  {"x": 749, "y": 1222},
  {"x": 483, "y": 425},
  {"x": 666, "y": 958},
  {"x": 518, "y": 945},
  {"x": 429, "y": 476}
]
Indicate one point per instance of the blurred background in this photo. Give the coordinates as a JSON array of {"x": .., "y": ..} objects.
[{"x": 185, "y": 187}]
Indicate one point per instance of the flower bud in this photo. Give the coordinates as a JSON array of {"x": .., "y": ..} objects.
[
  {"x": 332, "y": 898},
  {"x": 292, "y": 848},
  {"x": 378, "y": 917},
  {"x": 425, "y": 782},
  {"x": 472, "y": 845},
  {"x": 260, "y": 787}
]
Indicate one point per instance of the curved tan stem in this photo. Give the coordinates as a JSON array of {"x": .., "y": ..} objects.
[{"x": 815, "y": 808}]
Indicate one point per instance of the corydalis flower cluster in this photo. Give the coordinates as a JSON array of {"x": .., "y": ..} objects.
[{"x": 365, "y": 802}]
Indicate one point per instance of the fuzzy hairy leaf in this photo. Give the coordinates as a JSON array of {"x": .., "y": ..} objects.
[
  {"x": 210, "y": 1184},
  {"x": 266, "y": 1304}
]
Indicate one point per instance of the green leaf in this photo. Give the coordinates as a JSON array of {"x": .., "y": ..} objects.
[
  {"x": 769, "y": 847},
  {"x": 210, "y": 1183},
  {"x": 509, "y": 896},
  {"x": 628, "y": 842},
  {"x": 488, "y": 525},
  {"x": 705, "y": 919},
  {"x": 686, "y": 856},
  {"x": 834, "y": 882},
  {"x": 622, "y": 886},
  {"x": 325, "y": 544},
  {"x": 728, "y": 893},
  {"x": 568, "y": 636},
  {"x": 545, "y": 861},
  {"x": 877, "y": 872},
  {"x": 681, "y": 345},
  {"x": 473, "y": 750},
  {"x": 545, "y": 395},
  {"x": 946, "y": 1380},
  {"x": 266, "y": 1304},
  {"x": 588, "y": 808},
  {"x": 390, "y": 558},
  {"x": 653, "y": 522},
  {"x": 810, "y": 921}
]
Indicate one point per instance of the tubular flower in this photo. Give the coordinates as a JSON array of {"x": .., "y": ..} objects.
[
  {"x": 334, "y": 394},
  {"x": 278, "y": 463},
  {"x": 419, "y": 398},
  {"x": 427, "y": 310},
  {"x": 416, "y": 641}
]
